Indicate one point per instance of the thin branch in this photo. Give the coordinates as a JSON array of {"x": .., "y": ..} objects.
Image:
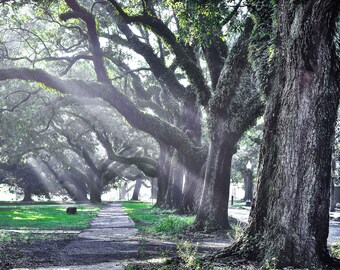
[
  {"x": 29, "y": 94},
  {"x": 126, "y": 73},
  {"x": 232, "y": 14},
  {"x": 81, "y": 13},
  {"x": 140, "y": 120}
]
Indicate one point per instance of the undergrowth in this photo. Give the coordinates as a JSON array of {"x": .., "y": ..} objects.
[
  {"x": 335, "y": 250},
  {"x": 156, "y": 221}
]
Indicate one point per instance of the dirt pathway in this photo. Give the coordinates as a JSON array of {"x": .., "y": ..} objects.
[
  {"x": 110, "y": 239},
  {"x": 112, "y": 242}
]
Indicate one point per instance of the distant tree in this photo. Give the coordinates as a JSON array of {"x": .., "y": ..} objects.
[{"x": 247, "y": 154}]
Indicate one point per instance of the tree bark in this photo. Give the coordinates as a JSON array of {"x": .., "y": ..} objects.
[
  {"x": 192, "y": 190},
  {"x": 289, "y": 220},
  {"x": 122, "y": 191},
  {"x": 163, "y": 173},
  {"x": 332, "y": 190},
  {"x": 213, "y": 209},
  {"x": 248, "y": 186},
  {"x": 154, "y": 188},
  {"x": 136, "y": 190},
  {"x": 27, "y": 192},
  {"x": 94, "y": 186},
  {"x": 173, "y": 196},
  {"x": 77, "y": 179},
  {"x": 332, "y": 197},
  {"x": 234, "y": 107},
  {"x": 95, "y": 195},
  {"x": 193, "y": 171}
]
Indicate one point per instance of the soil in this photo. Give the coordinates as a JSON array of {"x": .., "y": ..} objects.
[
  {"x": 29, "y": 254},
  {"x": 111, "y": 238},
  {"x": 43, "y": 253}
]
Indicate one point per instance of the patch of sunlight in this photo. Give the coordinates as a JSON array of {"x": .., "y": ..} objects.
[
  {"x": 157, "y": 260},
  {"x": 32, "y": 218},
  {"x": 60, "y": 208},
  {"x": 88, "y": 209}
]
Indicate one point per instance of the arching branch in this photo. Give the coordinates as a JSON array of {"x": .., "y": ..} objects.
[{"x": 153, "y": 125}]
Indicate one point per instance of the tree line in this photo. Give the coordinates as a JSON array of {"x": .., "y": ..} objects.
[{"x": 195, "y": 76}]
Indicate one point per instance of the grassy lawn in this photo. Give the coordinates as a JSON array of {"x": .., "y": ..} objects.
[
  {"x": 43, "y": 217},
  {"x": 155, "y": 220}
]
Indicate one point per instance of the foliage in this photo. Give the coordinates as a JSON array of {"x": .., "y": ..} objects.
[
  {"x": 201, "y": 21},
  {"x": 157, "y": 221},
  {"x": 46, "y": 217},
  {"x": 188, "y": 253},
  {"x": 21, "y": 125},
  {"x": 335, "y": 250},
  {"x": 237, "y": 230},
  {"x": 248, "y": 151}
]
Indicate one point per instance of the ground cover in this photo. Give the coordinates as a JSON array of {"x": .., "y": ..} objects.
[
  {"x": 153, "y": 220},
  {"x": 160, "y": 228},
  {"x": 33, "y": 234},
  {"x": 20, "y": 221}
]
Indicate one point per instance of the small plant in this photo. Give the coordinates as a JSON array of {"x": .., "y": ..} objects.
[
  {"x": 238, "y": 230},
  {"x": 270, "y": 264},
  {"x": 188, "y": 253},
  {"x": 172, "y": 224},
  {"x": 335, "y": 250},
  {"x": 157, "y": 221},
  {"x": 141, "y": 249}
]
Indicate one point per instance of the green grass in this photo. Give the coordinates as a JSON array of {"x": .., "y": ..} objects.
[
  {"x": 155, "y": 220},
  {"x": 42, "y": 217},
  {"x": 45, "y": 217}
]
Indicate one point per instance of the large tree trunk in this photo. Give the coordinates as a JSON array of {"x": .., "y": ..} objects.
[
  {"x": 248, "y": 186},
  {"x": 213, "y": 209},
  {"x": 163, "y": 173},
  {"x": 78, "y": 186},
  {"x": 193, "y": 172},
  {"x": 232, "y": 110},
  {"x": 94, "y": 186},
  {"x": 192, "y": 190},
  {"x": 123, "y": 191},
  {"x": 289, "y": 220},
  {"x": 136, "y": 190},
  {"x": 95, "y": 193},
  {"x": 332, "y": 197},
  {"x": 332, "y": 191},
  {"x": 27, "y": 192},
  {"x": 173, "y": 196},
  {"x": 154, "y": 188}
]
